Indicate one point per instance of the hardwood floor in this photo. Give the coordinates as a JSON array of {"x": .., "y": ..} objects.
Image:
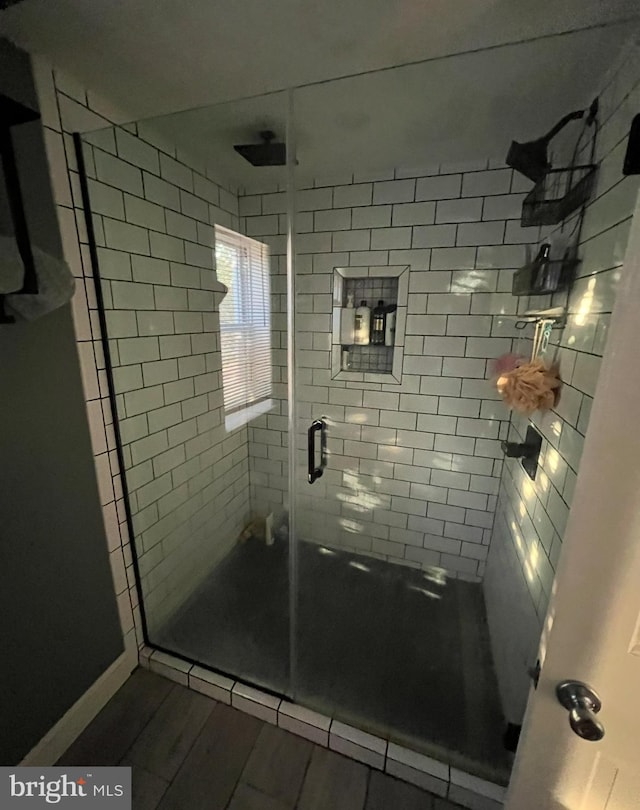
[{"x": 187, "y": 751}]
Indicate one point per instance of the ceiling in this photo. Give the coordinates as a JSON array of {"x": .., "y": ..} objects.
[
  {"x": 484, "y": 72},
  {"x": 454, "y": 109},
  {"x": 156, "y": 56}
]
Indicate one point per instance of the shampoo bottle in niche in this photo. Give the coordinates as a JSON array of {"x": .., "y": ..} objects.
[
  {"x": 390, "y": 327},
  {"x": 378, "y": 321},
  {"x": 363, "y": 325},
  {"x": 348, "y": 323}
]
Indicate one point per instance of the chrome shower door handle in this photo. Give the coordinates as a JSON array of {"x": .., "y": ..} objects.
[
  {"x": 318, "y": 425},
  {"x": 582, "y": 704}
]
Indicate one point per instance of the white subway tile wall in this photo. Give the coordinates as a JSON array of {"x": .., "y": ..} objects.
[
  {"x": 66, "y": 108},
  {"x": 161, "y": 320},
  {"x": 402, "y": 456},
  {"x": 531, "y": 516},
  {"x": 188, "y": 479}
]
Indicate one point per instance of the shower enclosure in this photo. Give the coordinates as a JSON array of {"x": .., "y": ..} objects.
[{"x": 312, "y": 515}]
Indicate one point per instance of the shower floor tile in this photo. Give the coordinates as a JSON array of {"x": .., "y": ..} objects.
[{"x": 381, "y": 647}]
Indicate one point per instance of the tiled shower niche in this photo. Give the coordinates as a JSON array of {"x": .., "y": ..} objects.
[
  {"x": 371, "y": 358},
  {"x": 372, "y": 363}
]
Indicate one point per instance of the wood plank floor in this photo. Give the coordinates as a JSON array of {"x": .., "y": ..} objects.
[{"x": 187, "y": 751}]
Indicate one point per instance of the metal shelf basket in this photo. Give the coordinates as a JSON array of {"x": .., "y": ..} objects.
[
  {"x": 557, "y": 195},
  {"x": 545, "y": 278}
]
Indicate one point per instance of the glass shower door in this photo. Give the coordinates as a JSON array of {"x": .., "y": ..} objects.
[
  {"x": 390, "y": 631},
  {"x": 344, "y": 660}
]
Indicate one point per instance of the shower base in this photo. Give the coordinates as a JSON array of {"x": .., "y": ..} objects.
[{"x": 381, "y": 647}]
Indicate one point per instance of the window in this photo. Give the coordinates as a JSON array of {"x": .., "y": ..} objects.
[{"x": 245, "y": 326}]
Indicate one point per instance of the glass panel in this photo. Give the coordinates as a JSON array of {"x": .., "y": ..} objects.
[
  {"x": 384, "y": 596},
  {"x": 201, "y": 413},
  {"x": 396, "y": 319}
]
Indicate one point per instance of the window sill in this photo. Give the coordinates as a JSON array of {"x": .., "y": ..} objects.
[{"x": 233, "y": 421}]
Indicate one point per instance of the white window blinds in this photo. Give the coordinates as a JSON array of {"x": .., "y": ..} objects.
[{"x": 242, "y": 264}]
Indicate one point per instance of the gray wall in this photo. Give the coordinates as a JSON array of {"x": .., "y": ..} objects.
[{"x": 60, "y": 627}]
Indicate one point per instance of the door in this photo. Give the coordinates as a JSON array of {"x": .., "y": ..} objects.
[
  {"x": 388, "y": 628},
  {"x": 593, "y": 624},
  {"x": 346, "y": 594}
]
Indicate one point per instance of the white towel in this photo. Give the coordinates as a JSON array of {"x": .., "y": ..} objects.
[
  {"x": 11, "y": 266},
  {"x": 56, "y": 286}
]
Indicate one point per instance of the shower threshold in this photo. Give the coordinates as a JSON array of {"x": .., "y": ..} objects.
[{"x": 392, "y": 651}]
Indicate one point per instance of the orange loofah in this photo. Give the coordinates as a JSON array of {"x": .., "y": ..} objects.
[{"x": 531, "y": 386}]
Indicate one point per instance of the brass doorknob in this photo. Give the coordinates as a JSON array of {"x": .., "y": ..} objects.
[{"x": 582, "y": 703}]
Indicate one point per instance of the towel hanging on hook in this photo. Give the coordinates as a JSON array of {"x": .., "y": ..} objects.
[{"x": 541, "y": 337}]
